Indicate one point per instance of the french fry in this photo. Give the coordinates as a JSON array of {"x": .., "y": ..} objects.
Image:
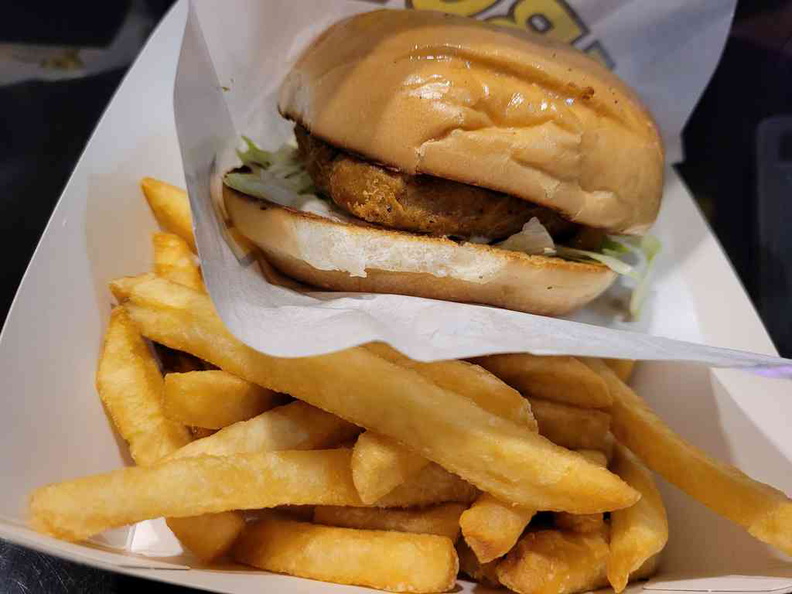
[
  {"x": 393, "y": 561},
  {"x": 294, "y": 426},
  {"x": 561, "y": 379},
  {"x": 130, "y": 385},
  {"x": 442, "y": 519},
  {"x": 432, "y": 485},
  {"x": 580, "y": 523},
  {"x": 647, "y": 570},
  {"x": 175, "y": 361},
  {"x": 571, "y": 426},
  {"x": 174, "y": 260},
  {"x": 640, "y": 532},
  {"x": 122, "y": 287},
  {"x": 492, "y": 453},
  {"x": 555, "y": 562},
  {"x": 623, "y": 368},
  {"x": 597, "y": 457},
  {"x": 491, "y": 527},
  {"x": 213, "y": 399},
  {"x": 759, "y": 508},
  {"x": 379, "y": 465},
  {"x": 171, "y": 208},
  {"x": 483, "y": 573},
  {"x": 77, "y": 509},
  {"x": 583, "y": 523},
  {"x": 469, "y": 380},
  {"x": 209, "y": 536}
]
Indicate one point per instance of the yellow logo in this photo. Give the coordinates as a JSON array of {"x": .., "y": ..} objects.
[{"x": 554, "y": 18}]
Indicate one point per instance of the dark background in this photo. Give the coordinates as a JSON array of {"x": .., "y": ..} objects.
[{"x": 738, "y": 164}]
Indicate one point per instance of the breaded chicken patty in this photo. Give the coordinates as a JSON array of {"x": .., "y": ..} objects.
[{"x": 418, "y": 203}]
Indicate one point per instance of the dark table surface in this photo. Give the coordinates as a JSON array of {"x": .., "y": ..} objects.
[{"x": 52, "y": 122}]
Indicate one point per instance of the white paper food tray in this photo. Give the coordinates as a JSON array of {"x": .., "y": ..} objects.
[{"x": 53, "y": 426}]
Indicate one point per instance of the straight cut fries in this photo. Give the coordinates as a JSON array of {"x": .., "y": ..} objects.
[
  {"x": 424, "y": 453},
  {"x": 433, "y": 484},
  {"x": 585, "y": 523},
  {"x": 442, "y": 520},
  {"x": 491, "y": 527},
  {"x": 765, "y": 512},
  {"x": 623, "y": 368},
  {"x": 571, "y": 426},
  {"x": 469, "y": 380},
  {"x": 483, "y": 573},
  {"x": 392, "y": 561},
  {"x": 208, "y": 536},
  {"x": 494, "y": 454},
  {"x": 174, "y": 260},
  {"x": 554, "y": 562},
  {"x": 171, "y": 208},
  {"x": 213, "y": 399},
  {"x": 294, "y": 426},
  {"x": 561, "y": 379},
  {"x": 640, "y": 532},
  {"x": 192, "y": 486},
  {"x": 379, "y": 465},
  {"x": 130, "y": 385}
]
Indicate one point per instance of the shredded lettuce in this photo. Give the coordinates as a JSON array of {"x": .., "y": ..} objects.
[
  {"x": 253, "y": 156},
  {"x": 280, "y": 177},
  {"x": 533, "y": 239},
  {"x": 282, "y": 167},
  {"x": 609, "y": 260},
  {"x": 628, "y": 256},
  {"x": 650, "y": 246},
  {"x": 643, "y": 250}
]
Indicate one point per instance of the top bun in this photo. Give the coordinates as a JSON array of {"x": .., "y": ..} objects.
[{"x": 426, "y": 92}]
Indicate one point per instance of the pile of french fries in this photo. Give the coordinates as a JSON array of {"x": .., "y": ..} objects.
[{"x": 366, "y": 467}]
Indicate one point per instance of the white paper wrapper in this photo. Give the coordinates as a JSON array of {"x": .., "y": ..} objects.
[{"x": 230, "y": 68}]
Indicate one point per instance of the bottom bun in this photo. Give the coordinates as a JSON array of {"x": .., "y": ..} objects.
[{"x": 343, "y": 256}]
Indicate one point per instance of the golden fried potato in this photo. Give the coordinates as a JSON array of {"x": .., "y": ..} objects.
[
  {"x": 192, "y": 486},
  {"x": 294, "y": 426},
  {"x": 442, "y": 519},
  {"x": 171, "y": 208},
  {"x": 621, "y": 367},
  {"x": 379, "y": 465},
  {"x": 174, "y": 260},
  {"x": 470, "y": 380},
  {"x": 394, "y": 561},
  {"x": 483, "y": 573},
  {"x": 492, "y": 527},
  {"x": 560, "y": 379},
  {"x": 640, "y": 532},
  {"x": 209, "y": 536},
  {"x": 759, "y": 508},
  {"x": 492, "y": 453},
  {"x": 213, "y": 399},
  {"x": 130, "y": 385},
  {"x": 571, "y": 426},
  {"x": 555, "y": 562}
]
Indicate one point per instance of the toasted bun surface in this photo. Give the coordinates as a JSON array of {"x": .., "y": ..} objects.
[
  {"x": 510, "y": 111},
  {"x": 351, "y": 257}
]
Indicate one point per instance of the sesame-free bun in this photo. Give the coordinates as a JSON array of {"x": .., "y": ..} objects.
[
  {"x": 425, "y": 92},
  {"x": 345, "y": 256}
]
